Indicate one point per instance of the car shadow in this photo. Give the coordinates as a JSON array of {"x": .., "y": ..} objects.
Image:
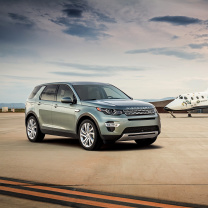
[
  {"x": 128, "y": 146},
  {"x": 118, "y": 146},
  {"x": 62, "y": 141}
]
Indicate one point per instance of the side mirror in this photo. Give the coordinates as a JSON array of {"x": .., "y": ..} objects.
[{"x": 66, "y": 100}]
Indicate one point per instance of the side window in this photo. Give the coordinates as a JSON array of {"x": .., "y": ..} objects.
[
  {"x": 192, "y": 98},
  {"x": 34, "y": 92},
  {"x": 202, "y": 96},
  {"x": 197, "y": 97},
  {"x": 49, "y": 93},
  {"x": 185, "y": 98},
  {"x": 180, "y": 97},
  {"x": 64, "y": 91}
]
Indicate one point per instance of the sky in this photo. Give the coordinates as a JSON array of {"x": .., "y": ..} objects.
[{"x": 150, "y": 49}]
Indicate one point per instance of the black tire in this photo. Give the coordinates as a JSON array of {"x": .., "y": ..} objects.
[
  {"x": 33, "y": 131},
  {"x": 145, "y": 142},
  {"x": 89, "y": 139}
]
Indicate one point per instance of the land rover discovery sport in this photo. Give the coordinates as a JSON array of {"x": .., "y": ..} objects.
[{"x": 95, "y": 113}]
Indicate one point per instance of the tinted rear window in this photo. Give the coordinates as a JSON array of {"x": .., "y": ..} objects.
[
  {"x": 34, "y": 92},
  {"x": 49, "y": 93}
]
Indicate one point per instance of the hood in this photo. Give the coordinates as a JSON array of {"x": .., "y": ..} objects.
[{"x": 117, "y": 103}]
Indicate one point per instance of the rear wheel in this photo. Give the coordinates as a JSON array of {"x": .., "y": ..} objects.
[
  {"x": 145, "y": 142},
  {"x": 89, "y": 137},
  {"x": 33, "y": 131}
]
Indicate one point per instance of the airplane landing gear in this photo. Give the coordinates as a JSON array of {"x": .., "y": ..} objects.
[
  {"x": 189, "y": 114},
  {"x": 171, "y": 113}
]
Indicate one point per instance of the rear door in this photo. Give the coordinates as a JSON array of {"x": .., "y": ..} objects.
[
  {"x": 47, "y": 99},
  {"x": 63, "y": 114}
]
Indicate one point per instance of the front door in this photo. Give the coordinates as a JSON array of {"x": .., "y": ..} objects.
[{"x": 63, "y": 114}]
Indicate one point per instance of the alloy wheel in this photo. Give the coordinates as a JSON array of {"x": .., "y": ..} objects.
[
  {"x": 87, "y": 135},
  {"x": 32, "y": 128}
]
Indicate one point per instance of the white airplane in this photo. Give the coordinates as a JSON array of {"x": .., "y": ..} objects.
[{"x": 188, "y": 102}]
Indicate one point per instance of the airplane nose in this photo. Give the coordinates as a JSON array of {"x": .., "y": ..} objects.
[{"x": 167, "y": 109}]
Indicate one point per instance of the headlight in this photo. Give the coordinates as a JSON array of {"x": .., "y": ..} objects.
[{"x": 110, "y": 111}]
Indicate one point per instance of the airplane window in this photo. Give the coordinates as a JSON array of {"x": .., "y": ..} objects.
[
  {"x": 185, "y": 98},
  {"x": 197, "y": 97},
  {"x": 192, "y": 98}
]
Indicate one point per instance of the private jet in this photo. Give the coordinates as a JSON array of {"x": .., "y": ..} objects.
[{"x": 188, "y": 102}]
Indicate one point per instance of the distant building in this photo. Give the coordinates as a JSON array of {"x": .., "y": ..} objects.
[
  {"x": 5, "y": 109},
  {"x": 201, "y": 110},
  {"x": 159, "y": 105}
]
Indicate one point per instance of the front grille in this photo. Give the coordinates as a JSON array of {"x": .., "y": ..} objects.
[
  {"x": 140, "y": 129},
  {"x": 139, "y": 111}
]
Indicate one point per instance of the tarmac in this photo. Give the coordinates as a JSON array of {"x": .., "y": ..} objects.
[{"x": 174, "y": 168}]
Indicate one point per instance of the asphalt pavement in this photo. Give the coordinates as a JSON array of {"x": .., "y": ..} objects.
[{"x": 174, "y": 168}]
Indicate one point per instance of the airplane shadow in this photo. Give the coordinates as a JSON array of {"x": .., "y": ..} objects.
[
  {"x": 118, "y": 146},
  {"x": 190, "y": 117}
]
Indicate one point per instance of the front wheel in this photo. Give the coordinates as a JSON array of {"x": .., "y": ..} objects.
[
  {"x": 33, "y": 131},
  {"x": 145, "y": 142},
  {"x": 88, "y": 136}
]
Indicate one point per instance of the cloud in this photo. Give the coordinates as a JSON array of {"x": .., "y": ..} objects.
[
  {"x": 81, "y": 19},
  {"x": 93, "y": 70},
  {"x": 21, "y": 77},
  {"x": 77, "y": 8},
  {"x": 196, "y": 83},
  {"x": 198, "y": 46},
  {"x": 16, "y": 35},
  {"x": 88, "y": 32},
  {"x": 85, "y": 29},
  {"x": 99, "y": 68},
  {"x": 202, "y": 36},
  {"x": 175, "y": 37},
  {"x": 104, "y": 18},
  {"x": 81, "y": 74},
  {"x": 176, "y": 20},
  {"x": 18, "y": 53},
  {"x": 73, "y": 12},
  {"x": 168, "y": 52},
  {"x": 21, "y": 20},
  {"x": 16, "y": 29}
]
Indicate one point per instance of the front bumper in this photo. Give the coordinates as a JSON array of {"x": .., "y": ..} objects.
[
  {"x": 130, "y": 128},
  {"x": 140, "y": 135}
]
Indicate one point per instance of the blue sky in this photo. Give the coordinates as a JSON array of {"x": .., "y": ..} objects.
[{"x": 148, "y": 48}]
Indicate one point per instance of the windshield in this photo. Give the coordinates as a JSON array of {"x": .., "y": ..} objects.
[{"x": 98, "y": 92}]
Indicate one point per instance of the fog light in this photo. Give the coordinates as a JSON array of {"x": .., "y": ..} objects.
[{"x": 112, "y": 124}]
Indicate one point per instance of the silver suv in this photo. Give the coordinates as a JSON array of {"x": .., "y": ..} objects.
[{"x": 96, "y": 113}]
